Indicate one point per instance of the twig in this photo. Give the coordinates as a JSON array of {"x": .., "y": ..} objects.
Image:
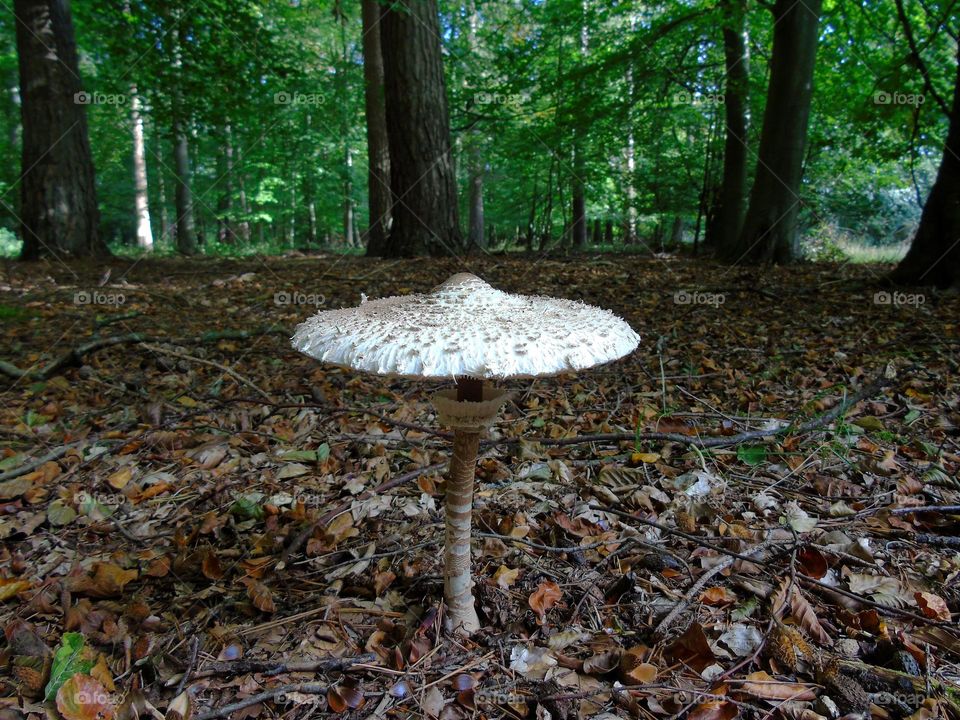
[
  {"x": 926, "y": 509},
  {"x": 230, "y": 371},
  {"x": 34, "y": 464},
  {"x": 266, "y": 667},
  {"x": 191, "y": 665},
  {"x": 307, "y": 688},
  {"x": 547, "y": 548},
  {"x": 938, "y": 540}
]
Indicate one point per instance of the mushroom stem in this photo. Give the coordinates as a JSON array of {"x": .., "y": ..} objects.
[
  {"x": 458, "y": 582},
  {"x": 470, "y": 389}
]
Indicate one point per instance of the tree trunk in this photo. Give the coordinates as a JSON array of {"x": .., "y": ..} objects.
[
  {"x": 578, "y": 202},
  {"x": 727, "y": 224},
  {"x": 422, "y": 179},
  {"x": 378, "y": 154},
  {"x": 225, "y": 232},
  {"x": 183, "y": 199},
  {"x": 59, "y": 213},
  {"x": 934, "y": 255},
  {"x": 141, "y": 195},
  {"x": 608, "y": 233},
  {"x": 770, "y": 228},
  {"x": 476, "y": 237},
  {"x": 597, "y": 232}
]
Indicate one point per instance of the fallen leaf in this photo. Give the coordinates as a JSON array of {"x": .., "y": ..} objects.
[
  {"x": 543, "y": 598},
  {"x": 84, "y": 698}
]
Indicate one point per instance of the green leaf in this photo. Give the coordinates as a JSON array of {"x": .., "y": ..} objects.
[
  {"x": 323, "y": 452},
  {"x": 248, "y": 508},
  {"x": 68, "y": 660},
  {"x": 752, "y": 454}
]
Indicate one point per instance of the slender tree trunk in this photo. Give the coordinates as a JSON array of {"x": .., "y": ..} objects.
[
  {"x": 183, "y": 199},
  {"x": 630, "y": 214},
  {"x": 141, "y": 194},
  {"x": 475, "y": 230},
  {"x": 244, "y": 224},
  {"x": 769, "y": 231},
  {"x": 378, "y": 154},
  {"x": 225, "y": 233},
  {"x": 423, "y": 182},
  {"x": 728, "y": 221},
  {"x": 163, "y": 216},
  {"x": 59, "y": 213},
  {"x": 934, "y": 255}
]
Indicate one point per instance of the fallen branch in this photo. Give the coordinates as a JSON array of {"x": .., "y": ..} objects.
[
  {"x": 75, "y": 355},
  {"x": 34, "y": 464},
  {"x": 267, "y": 667},
  {"x": 306, "y": 688}
]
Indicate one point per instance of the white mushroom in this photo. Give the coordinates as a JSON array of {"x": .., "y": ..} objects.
[{"x": 467, "y": 331}]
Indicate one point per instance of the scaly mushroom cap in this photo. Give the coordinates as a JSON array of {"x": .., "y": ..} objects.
[{"x": 466, "y": 328}]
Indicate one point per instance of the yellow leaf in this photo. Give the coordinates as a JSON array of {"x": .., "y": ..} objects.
[
  {"x": 187, "y": 401},
  {"x": 640, "y": 457},
  {"x": 505, "y": 577},
  {"x": 119, "y": 479},
  {"x": 9, "y": 588}
]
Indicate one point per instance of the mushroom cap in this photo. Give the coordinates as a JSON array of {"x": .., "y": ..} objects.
[{"x": 464, "y": 327}]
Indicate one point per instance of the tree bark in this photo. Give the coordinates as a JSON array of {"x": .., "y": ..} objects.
[
  {"x": 183, "y": 198},
  {"x": 225, "y": 233},
  {"x": 378, "y": 154},
  {"x": 58, "y": 197},
  {"x": 422, "y": 178},
  {"x": 724, "y": 229},
  {"x": 770, "y": 227},
  {"x": 141, "y": 194},
  {"x": 934, "y": 255}
]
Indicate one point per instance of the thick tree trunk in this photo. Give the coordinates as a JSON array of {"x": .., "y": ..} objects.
[
  {"x": 724, "y": 229},
  {"x": 378, "y": 154},
  {"x": 578, "y": 203},
  {"x": 59, "y": 213},
  {"x": 141, "y": 194},
  {"x": 423, "y": 183},
  {"x": 934, "y": 255},
  {"x": 769, "y": 231}
]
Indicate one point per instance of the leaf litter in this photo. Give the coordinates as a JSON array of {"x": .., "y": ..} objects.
[{"x": 185, "y": 541}]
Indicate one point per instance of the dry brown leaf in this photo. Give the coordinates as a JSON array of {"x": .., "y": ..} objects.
[
  {"x": 718, "y": 595},
  {"x": 260, "y": 595},
  {"x": 806, "y": 617},
  {"x": 543, "y": 598},
  {"x": 933, "y": 606},
  {"x": 761, "y": 685},
  {"x": 83, "y": 698}
]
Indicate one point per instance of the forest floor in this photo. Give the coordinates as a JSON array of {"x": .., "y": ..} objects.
[{"x": 221, "y": 526}]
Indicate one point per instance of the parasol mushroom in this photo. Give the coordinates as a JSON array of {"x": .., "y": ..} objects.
[{"x": 467, "y": 331}]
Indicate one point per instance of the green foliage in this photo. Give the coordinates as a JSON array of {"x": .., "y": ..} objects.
[{"x": 544, "y": 93}]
